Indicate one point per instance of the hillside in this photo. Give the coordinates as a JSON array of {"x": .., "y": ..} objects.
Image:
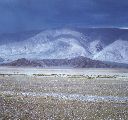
[
  {"x": 104, "y": 44},
  {"x": 79, "y": 62}
]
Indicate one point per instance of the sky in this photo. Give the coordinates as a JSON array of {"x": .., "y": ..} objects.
[{"x": 22, "y": 15}]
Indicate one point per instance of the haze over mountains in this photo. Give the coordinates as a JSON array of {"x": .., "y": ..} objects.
[{"x": 104, "y": 44}]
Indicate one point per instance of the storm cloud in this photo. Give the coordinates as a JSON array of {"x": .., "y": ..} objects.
[{"x": 21, "y": 15}]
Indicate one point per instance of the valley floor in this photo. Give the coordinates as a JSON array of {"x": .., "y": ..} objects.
[{"x": 63, "y": 94}]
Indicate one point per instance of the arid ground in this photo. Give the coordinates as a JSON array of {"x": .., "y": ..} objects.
[{"x": 63, "y": 94}]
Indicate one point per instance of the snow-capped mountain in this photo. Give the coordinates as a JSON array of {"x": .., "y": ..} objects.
[
  {"x": 115, "y": 52},
  {"x": 49, "y": 44},
  {"x": 96, "y": 46},
  {"x": 68, "y": 43}
]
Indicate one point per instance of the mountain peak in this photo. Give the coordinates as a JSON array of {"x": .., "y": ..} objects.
[
  {"x": 70, "y": 43},
  {"x": 115, "y": 52}
]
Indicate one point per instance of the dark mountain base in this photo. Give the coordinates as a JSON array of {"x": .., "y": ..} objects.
[{"x": 79, "y": 62}]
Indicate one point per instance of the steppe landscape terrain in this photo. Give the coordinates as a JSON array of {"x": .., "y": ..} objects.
[
  {"x": 63, "y": 60},
  {"x": 63, "y": 94}
]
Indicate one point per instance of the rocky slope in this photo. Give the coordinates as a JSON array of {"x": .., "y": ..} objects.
[{"x": 79, "y": 62}]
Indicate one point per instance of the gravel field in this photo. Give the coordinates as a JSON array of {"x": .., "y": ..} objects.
[{"x": 67, "y": 94}]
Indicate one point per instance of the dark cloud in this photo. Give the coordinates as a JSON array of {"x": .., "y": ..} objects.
[{"x": 20, "y": 15}]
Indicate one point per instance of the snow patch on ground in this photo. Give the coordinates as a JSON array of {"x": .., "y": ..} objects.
[{"x": 66, "y": 96}]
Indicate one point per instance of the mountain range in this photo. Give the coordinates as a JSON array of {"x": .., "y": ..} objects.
[
  {"x": 95, "y": 44},
  {"x": 78, "y": 62}
]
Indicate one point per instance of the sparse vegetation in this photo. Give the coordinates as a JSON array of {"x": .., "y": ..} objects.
[{"x": 25, "y": 107}]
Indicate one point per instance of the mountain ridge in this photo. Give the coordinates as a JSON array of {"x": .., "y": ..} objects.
[
  {"x": 117, "y": 52},
  {"x": 69, "y": 43},
  {"x": 79, "y": 62}
]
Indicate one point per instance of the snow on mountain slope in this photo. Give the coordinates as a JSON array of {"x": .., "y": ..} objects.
[
  {"x": 49, "y": 44},
  {"x": 115, "y": 52},
  {"x": 96, "y": 46},
  {"x": 66, "y": 43}
]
